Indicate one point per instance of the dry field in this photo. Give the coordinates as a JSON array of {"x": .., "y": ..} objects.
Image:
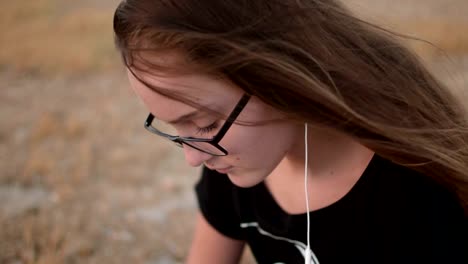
[{"x": 80, "y": 179}]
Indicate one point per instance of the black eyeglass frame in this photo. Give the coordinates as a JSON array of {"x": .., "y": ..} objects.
[{"x": 214, "y": 141}]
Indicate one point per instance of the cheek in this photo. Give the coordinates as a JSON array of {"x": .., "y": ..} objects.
[{"x": 260, "y": 145}]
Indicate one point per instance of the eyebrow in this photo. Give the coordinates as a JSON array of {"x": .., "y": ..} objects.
[{"x": 184, "y": 118}]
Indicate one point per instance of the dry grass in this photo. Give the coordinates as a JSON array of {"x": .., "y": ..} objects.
[
  {"x": 81, "y": 182},
  {"x": 437, "y": 26},
  {"x": 447, "y": 37},
  {"x": 431, "y": 39},
  {"x": 52, "y": 36}
]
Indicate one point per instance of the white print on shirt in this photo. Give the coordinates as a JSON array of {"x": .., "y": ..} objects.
[{"x": 298, "y": 244}]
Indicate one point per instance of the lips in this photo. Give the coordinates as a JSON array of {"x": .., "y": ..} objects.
[{"x": 222, "y": 170}]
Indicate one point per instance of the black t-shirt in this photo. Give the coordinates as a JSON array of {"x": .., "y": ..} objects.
[{"x": 391, "y": 215}]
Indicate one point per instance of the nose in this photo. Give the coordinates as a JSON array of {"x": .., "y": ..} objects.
[{"x": 194, "y": 157}]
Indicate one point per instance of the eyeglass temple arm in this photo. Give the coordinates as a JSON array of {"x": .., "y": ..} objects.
[{"x": 232, "y": 117}]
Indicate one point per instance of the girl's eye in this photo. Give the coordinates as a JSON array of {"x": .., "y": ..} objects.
[{"x": 207, "y": 129}]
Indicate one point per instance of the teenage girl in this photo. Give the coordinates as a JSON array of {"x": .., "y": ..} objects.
[{"x": 322, "y": 139}]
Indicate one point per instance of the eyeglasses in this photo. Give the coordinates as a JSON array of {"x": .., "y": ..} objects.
[{"x": 210, "y": 146}]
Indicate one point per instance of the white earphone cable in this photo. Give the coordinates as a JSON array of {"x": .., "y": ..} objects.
[{"x": 308, "y": 250}]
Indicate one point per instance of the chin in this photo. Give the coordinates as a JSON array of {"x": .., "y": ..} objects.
[{"x": 245, "y": 180}]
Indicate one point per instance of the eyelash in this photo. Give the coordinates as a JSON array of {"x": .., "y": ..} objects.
[{"x": 207, "y": 129}]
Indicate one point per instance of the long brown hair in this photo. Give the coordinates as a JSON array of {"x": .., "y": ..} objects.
[{"x": 314, "y": 61}]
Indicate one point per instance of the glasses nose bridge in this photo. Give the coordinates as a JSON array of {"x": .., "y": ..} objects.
[{"x": 177, "y": 141}]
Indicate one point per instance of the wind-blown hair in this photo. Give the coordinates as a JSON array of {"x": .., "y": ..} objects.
[{"x": 316, "y": 62}]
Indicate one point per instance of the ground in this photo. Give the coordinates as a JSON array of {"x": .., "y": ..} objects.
[{"x": 81, "y": 181}]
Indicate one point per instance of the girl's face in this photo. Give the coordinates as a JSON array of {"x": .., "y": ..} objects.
[{"x": 254, "y": 151}]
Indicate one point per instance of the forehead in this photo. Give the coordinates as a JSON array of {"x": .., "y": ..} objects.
[
  {"x": 206, "y": 91},
  {"x": 160, "y": 70}
]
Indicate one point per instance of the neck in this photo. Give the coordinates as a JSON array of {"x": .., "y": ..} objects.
[
  {"x": 335, "y": 164},
  {"x": 329, "y": 153}
]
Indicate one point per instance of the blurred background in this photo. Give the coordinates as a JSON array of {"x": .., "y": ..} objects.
[{"x": 80, "y": 179}]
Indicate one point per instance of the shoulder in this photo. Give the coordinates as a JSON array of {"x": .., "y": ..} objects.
[
  {"x": 391, "y": 193},
  {"x": 406, "y": 182},
  {"x": 415, "y": 207},
  {"x": 407, "y": 199},
  {"x": 404, "y": 188}
]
